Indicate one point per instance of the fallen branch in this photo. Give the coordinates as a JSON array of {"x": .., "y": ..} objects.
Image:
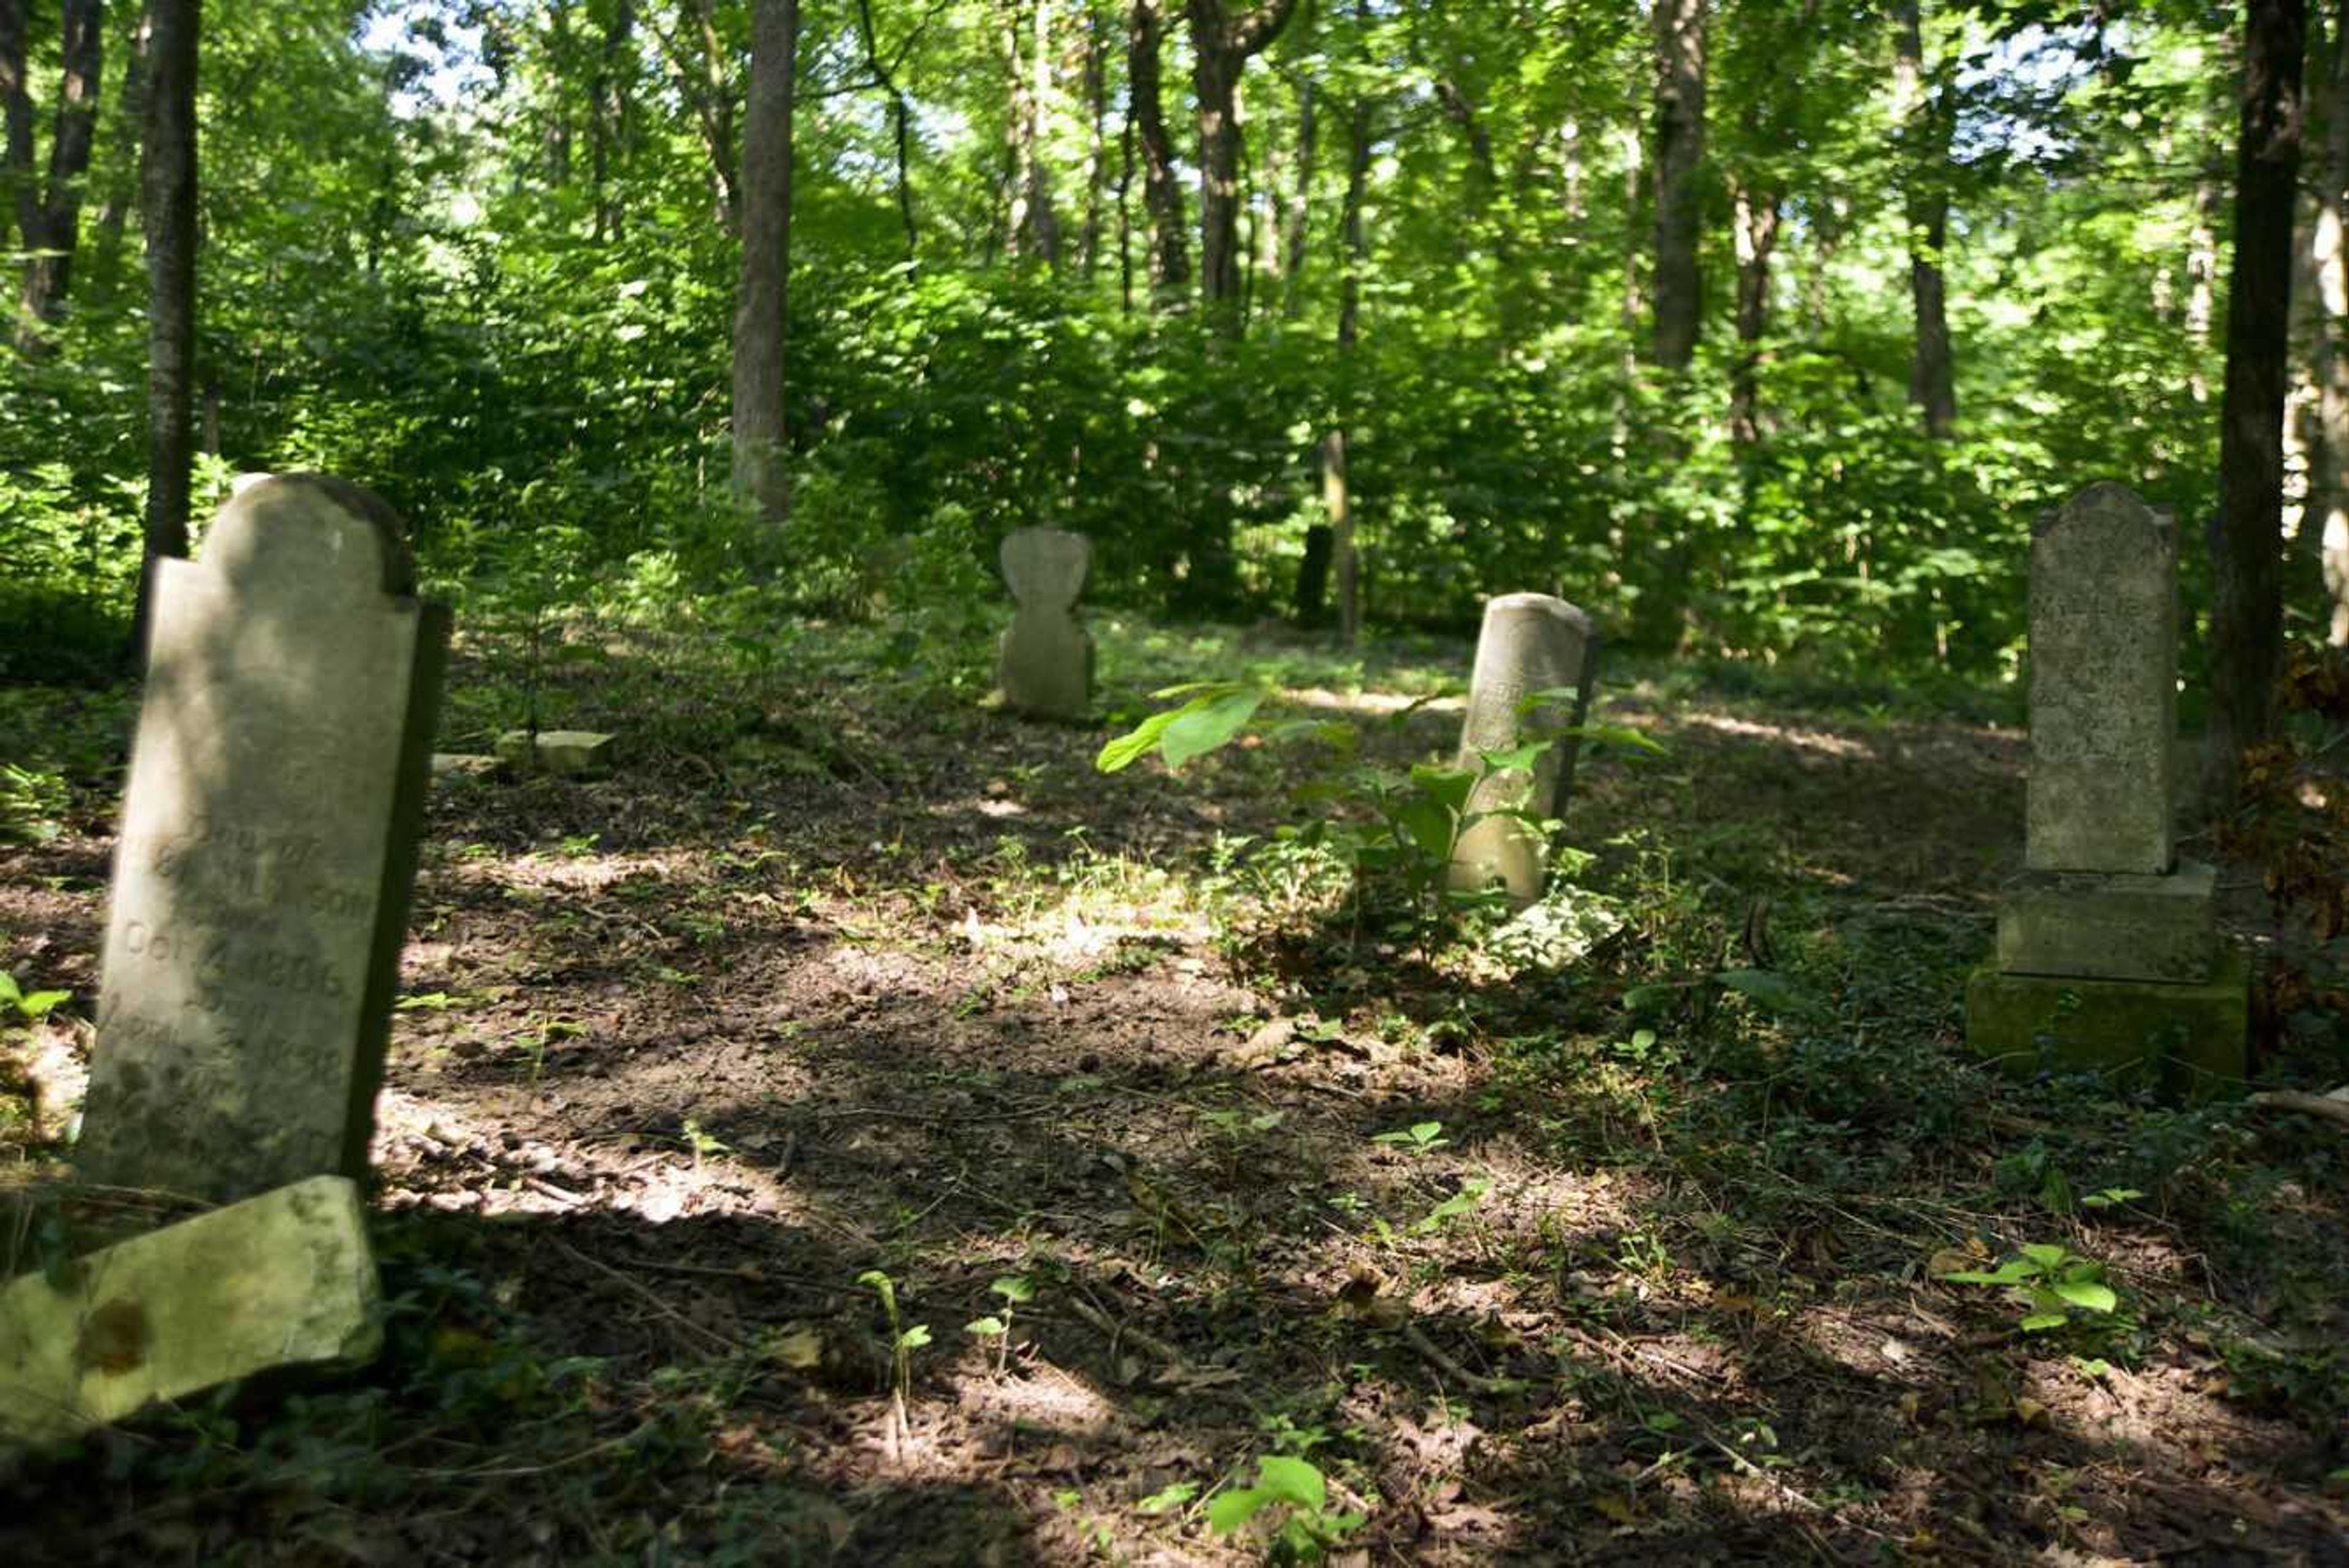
[
  {"x": 1444, "y": 1362},
  {"x": 2333, "y": 1107}
]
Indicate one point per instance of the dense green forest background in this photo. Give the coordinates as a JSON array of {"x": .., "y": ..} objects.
[{"x": 1768, "y": 336}]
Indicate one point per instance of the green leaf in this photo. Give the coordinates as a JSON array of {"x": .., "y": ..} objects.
[
  {"x": 1207, "y": 724},
  {"x": 2086, "y": 1294},
  {"x": 1014, "y": 1287},
  {"x": 1229, "y": 1511},
  {"x": 1767, "y": 988},
  {"x": 1168, "y": 1497},
  {"x": 2038, "y": 1322},
  {"x": 37, "y": 1003},
  {"x": 2013, "y": 1273},
  {"x": 1448, "y": 786},
  {"x": 1515, "y": 759},
  {"x": 2046, "y": 1254},
  {"x": 1124, "y": 750},
  {"x": 986, "y": 1327},
  {"x": 1292, "y": 1480},
  {"x": 915, "y": 1337}
]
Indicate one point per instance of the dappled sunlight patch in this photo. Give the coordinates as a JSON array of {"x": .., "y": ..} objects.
[
  {"x": 1035, "y": 1397},
  {"x": 1822, "y": 742}
]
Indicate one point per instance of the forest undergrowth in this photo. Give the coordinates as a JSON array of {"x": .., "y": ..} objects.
[{"x": 855, "y": 1130}]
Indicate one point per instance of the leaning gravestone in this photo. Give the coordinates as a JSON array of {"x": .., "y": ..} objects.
[
  {"x": 267, "y": 846},
  {"x": 1531, "y": 643},
  {"x": 285, "y": 1280},
  {"x": 2108, "y": 948},
  {"x": 1046, "y": 665}
]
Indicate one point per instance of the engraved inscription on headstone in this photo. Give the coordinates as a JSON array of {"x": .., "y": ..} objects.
[
  {"x": 1047, "y": 665},
  {"x": 1530, "y": 643},
  {"x": 2104, "y": 685},
  {"x": 267, "y": 844}
]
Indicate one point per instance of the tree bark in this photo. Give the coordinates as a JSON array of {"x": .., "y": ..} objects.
[
  {"x": 1221, "y": 46},
  {"x": 702, "y": 84},
  {"x": 1757, "y": 237},
  {"x": 2330, "y": 485},
  {"x": 1337, "y": 498},
  {"x": 762, "y": 478},
  {"x": 2247, "y": 601},
  {"x": 1032, "y": 226},
  {"x": 1096, "y": 80},
  {"x": 1680, "y": 27},
  {"x": 168, "y": 192},
  {"x": 51, "y": 222},
  {"x": 1161, "y": 198},
  {"x": 1297, "y": 221},
  {"x": 607, "y": 110},
  {"x": 1928, "y": 122},
  {"x": 17, "y": 193},
  {"x": 122, "y": 191}
]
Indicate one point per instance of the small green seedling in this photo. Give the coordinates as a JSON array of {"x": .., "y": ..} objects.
[
  {"x": 1472, "y": 1192},
  {"x": 1306, "y": 1529},
  {"x": 904, "y": 1340},
  {"x": 2050, "y": 1282},
  {"x": 30, "y": 1006},
  {"x": 1419, "y": 1137},
  {"x": 997, "y": 1325}
]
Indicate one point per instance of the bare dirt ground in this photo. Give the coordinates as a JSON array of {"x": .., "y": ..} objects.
[{"x": 808, "y": 988}]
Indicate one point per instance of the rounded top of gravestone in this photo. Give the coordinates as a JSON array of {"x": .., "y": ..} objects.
[
  {"x": 309, "y": 536},
  {"x": 1046, "y": 563},
  {"x": 1547, "y": 606},
  {"x": 2108, "y": 502}
]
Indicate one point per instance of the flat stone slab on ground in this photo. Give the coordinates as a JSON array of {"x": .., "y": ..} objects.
[
  {"x": 2111, "y": 927},
  {"x": 464, "y": 765},
  {"x": 2190, "y": 1038},
  {"x": 558, "y": 750},
  {"x": 285, "y": 1280}
]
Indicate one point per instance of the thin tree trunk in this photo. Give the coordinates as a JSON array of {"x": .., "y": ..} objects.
[
  {"x": 761, "y": 477},
  {"x": 1484, "y": 202},
  {"x": 1297, "y": 221},
  {"x": 1337, "y": 498},
  {"x": 52, "y": 224},
  {"x": 1030, "y": 226},
  {"x": 1757, "y": 237},
  {"x": 2330, "y": 485},
  {"x": 607, "y": 110},
  {"x": 900, "y": 112},
  {"x": 702, "y": 83},
  {"x": 1161, "y": 198},
  {"x": 2247, "y": 601},
  {"x": 168, "y": 185},
  {"x": 1221, "y": 46},
  {"x": 18, "y": 196},
  {"x": 1680, "y": 27},
  {"x": 1096, "y": 81},
  {"x": 122, "y": 191},
  {"x": 1927, "y": 124}
]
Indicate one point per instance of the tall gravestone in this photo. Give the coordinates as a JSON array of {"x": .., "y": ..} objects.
[
  {"x": 267, "y": 846},
  {"x": 1530, "y": 643},
  {"x": 2108, "y": 948},
  {"x": 1047, "y": 665}
]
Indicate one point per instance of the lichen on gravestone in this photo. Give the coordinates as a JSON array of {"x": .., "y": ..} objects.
[{"x": 1530, "y": 645}]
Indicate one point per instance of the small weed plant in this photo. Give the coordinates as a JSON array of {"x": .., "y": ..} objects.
[
  {"x": 1298, "y": 1496},
  {"x": 2049, "y": 1283}
]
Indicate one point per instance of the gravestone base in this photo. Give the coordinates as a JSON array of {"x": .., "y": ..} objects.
[
  {"x": 282, "y": 1281},
  {"x": 557, "y": 750},
  {"x": 1046, "y": 671},
  {"x": 2190, "y": 1039},
  {"x": 2111, "y": 926}
]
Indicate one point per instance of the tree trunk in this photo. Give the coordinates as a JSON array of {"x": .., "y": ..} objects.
[
  {"x": 1221, "y": 46},
  {"x": 52, "y": 224},
  {"x": 2329, "y": 486},
  {"x": 122, "y": 189},
  {"x": 1757, "y": 237},
  {"x": 1297, "y": 223},
  {"x": 1927, "y": 123},
  {"x": 1336, "y": 500},
  {"x": 168, "y": 190},
  {"x": 1031, "y": 226},
  {"x": 762, "y": 478},
  {"x": 1096, "y": 78},
  {"x": 2247, "y": 601},
  {"x": 900, "y": 114},
  {"x": 1680, "y": 151},
  {"x": 17, "y": 193},
  {"x": 607, "y": 110},
  {"x": 1161, "y": 198}
]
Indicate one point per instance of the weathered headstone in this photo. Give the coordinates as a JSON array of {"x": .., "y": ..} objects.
[
  {"x": 2108, "y": 948},
  {"x": 285, "y": 1280},
  {"x": 267, "y": 845},
  {"x": 1530, "y": 643},
  {"x": 1046, "y": 665}
]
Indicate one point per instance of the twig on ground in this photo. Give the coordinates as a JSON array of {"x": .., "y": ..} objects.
[
  {"x": 2333, "y": 1107},
  {"x": 1118, "y": 1331},
  {"x": 649, "y": 1297},
  {"x": 1442, "y": 1360}
]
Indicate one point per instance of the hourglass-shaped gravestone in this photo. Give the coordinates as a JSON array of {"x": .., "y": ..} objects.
[
  {"x": 267, "y": 845},
  {"x": 1047, "y": 666},
  {"x": 1531, "y": 644},
  {"x": 2109, "y": 949}
]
